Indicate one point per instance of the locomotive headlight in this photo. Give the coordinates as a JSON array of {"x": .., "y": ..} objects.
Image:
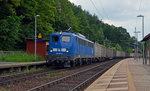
[
  {"x": 51, "y": 49},
  {"x": 67, "y": 50}
]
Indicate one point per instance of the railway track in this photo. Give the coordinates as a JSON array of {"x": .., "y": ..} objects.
[
  {"x": 32, "y": 80},
  {"x": 10, "y": 79},
  {"x": 76, "y": 81},
  {"x": 15, "y": 80}
]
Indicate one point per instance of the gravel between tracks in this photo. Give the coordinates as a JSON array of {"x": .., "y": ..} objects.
[
  {"x": 29, "y": 83},
  {"x": 77, "y": 81}
]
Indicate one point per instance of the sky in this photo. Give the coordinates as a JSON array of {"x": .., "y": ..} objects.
[{"x": 120, "y": 13}]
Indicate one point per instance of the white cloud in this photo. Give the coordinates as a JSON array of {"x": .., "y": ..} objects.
[
  {"x": 120, "y": 12},
  {"x": 71, "y": 0},
  {"x": 108, "y": 22}
]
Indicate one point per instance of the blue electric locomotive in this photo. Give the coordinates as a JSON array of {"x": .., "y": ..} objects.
[{"x": 69, "y": 49}]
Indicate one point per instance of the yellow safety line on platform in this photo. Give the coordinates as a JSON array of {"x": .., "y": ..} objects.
[{"x": 130, "y": 81}]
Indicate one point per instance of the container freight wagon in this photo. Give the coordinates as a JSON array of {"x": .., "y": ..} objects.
[
  {"x": 100, "y": 52},
  {"x": 114, "y": 53},
  {"x": 109, "y": 53},
  {"x": 118, "y": 54}
]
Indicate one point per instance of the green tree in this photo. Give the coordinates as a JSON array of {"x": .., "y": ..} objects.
[
  {"x": 65, "y": 16},
  {"x": 118, "y": 47},
  {"x": 47, "y": 11},
  {"x": 107, "y": 43},
  {"x": 9, "y": 32},
  {"x": 17, "y": 18},
  {"x": 7, "y": 7}
]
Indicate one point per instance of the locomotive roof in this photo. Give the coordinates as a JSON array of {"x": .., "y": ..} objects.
[{"x": 73, "y": 34}]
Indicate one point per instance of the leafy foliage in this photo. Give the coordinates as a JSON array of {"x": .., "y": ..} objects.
[
  {"x": 9, "y": 32},
  {"x": 17, "y": 19}
]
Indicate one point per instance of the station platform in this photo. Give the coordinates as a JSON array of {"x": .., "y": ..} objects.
[
  {"x": 17, "y": 64},
  {"x": 127, "y": 75}
]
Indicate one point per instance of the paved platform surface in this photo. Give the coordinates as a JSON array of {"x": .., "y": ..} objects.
[{"x": 127, "y": 75}]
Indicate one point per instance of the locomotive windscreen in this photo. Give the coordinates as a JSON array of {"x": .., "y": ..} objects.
[
  {"x": 65, "y": 39},
  {"x": 55, "y": 38}
]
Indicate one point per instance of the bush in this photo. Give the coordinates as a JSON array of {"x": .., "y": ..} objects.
[{"x": 18, "y": 57}]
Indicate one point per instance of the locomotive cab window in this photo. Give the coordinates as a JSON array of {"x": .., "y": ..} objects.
[
  {"x": 65, "y": 38},
  {"x": 55, "y": 38}
]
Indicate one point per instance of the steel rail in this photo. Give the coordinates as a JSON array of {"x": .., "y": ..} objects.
[
  {"x": 19, "y": 74},
  {"x": 90, "y": 79},
  {"x": 41, "y": 87},
  {"x": 28, "y": 76}
]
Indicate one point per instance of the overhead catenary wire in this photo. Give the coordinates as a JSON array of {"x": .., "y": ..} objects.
[
  {"x": 140, "y": 1},
  {"x": 139, "y": 10},
  {"x": 97, "y": 9},
  {"x": 100, "y": 2},
  {"x": 140, "y": 5}
]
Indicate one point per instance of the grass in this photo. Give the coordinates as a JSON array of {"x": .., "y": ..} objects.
[
  {"x": 62, "y": 72},
  {"x": 18, "y": 57},
  {"x": 26, "y": 69},
  {"x": 4, "y": 89},
  {"x": 33, "y": 69},
  {"x": 11, "y": 70},
  {"x": 52, "y": 74}
]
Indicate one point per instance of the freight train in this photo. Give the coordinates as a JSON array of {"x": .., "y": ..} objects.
[{"x": 69, "y": 49}]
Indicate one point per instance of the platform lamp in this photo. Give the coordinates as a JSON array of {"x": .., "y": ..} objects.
[
  {"x": 142, "y": 34},
  {"x": 35, "y": 34}
]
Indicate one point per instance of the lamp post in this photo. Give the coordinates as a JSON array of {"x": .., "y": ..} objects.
[
  {"x": 142, "y": 34},
  {"x": 35, "y": 35}
]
